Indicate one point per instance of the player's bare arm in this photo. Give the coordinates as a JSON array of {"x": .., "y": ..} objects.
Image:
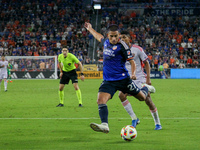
[
  {"x": 97, "y": 35},
  {"x": 61, "y": 71},
  {"x": 133, "y": 69},
  {"x": 148, "y": 70},
  {"x": 81, "y": 69}
]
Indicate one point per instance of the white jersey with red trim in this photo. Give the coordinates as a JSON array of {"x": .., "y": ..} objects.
[
  {"x": 139, "y": 56},
  {"x": 4, "y": 69}
]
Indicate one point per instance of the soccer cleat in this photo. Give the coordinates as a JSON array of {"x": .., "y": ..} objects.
[
  {"x": 11, "y": 81},
  {"x": 60, "y": 105},
  {"x": 80, "y": 105},
  {"x": 150, "y": 88},
  {"x": 6, "y": 90},
  {"x": 158, "y": 127},
  {"x": 135, "y": 122},
  {"x": 100, "y": 127}
]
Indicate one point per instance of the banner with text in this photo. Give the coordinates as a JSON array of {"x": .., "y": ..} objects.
[
  {"x": 91, "y": 74},
  {"x": 90, "y": 67},
  {"x": 173, "y": 11}
]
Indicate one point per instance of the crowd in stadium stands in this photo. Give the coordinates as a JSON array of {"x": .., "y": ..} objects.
[
  {"x": 40, "y": 28},
  {"x": 170, "y": 40}
]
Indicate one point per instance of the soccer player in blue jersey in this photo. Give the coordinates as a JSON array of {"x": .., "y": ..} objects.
[{"x": 115, "y": 75}]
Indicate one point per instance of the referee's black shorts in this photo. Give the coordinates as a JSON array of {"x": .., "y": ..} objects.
[{"x": 67, "y": 76}]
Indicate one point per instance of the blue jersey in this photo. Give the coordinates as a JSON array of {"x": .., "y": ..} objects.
[{"x": 114, "y": 58}]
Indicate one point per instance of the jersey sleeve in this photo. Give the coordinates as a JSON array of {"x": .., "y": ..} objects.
[
  {"x": 142, "y": 55},
  {"x": 75, "y": 59},
  {"x": 126, "y": 52}
]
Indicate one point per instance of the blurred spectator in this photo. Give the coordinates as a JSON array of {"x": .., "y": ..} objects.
[
  {"x": 15, "y": 66},
  {"x": 189, "y": 62},
  {"x": 42, "y": 66},
  {"x": 181, "y": 65}
]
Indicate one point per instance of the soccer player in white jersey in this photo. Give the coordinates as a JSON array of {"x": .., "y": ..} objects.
[
  {"x": 140, "y": 58},
  {"x": 3, "y": 71}
]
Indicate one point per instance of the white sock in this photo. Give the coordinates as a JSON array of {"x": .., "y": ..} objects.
[
  {"x": 5, "y": 85},
  {"x": 155, "y": 116},
  {"x": 129, "y": 109}
]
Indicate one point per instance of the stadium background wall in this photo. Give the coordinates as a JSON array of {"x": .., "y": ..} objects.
[
  {"x": 51, "y": 74},
  {"x": 33, "y": 75}
]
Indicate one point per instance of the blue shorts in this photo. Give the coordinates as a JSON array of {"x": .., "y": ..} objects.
[{"x": 125, "y": 85}]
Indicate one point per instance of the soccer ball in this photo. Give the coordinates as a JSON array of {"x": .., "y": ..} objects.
[{"x": 128, "y": 133}]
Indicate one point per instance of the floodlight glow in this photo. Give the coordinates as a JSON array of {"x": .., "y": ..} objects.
[{"x": 97, "y": 6}]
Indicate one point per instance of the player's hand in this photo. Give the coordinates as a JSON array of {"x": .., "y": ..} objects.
[
  {"x": 61, "y": 74},
  {"x": 82, "y": 77},
  {"x": 133, "y": 77},
  {"x": 148, "y": 81},
  {"x": 87, "y": 25}
]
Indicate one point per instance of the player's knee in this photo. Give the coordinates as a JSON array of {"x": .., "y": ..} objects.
[
  {"x": 76, "y": 88},
  {"x": 101, "y": 100},
  {"x": 61, "y": 88}
]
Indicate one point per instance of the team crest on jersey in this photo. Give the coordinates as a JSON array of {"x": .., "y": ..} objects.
[
  {"x": 128, "y": 52},
  {"x": 114, "y": 47},
  {"x": 69, "y": 64}
]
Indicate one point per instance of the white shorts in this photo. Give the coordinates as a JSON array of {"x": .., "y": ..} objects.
[
  {"x": 140, "y": 81},
  {"x": 3, "y": 76}
]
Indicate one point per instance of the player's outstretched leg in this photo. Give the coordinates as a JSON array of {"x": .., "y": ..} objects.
[
  {"x": 150, "y": 88},
  {"x": 128, "y": 108},
  {"x": 156, "y": 118},
  {"x": 154, "y": 112}
]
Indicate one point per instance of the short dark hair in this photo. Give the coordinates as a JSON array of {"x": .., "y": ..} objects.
[
  {"x": 2, "y": 55},
  {"x": 113, "y": 27},
  {"x": 65, "y": 46},
  {"x": 125, "y": 32}
]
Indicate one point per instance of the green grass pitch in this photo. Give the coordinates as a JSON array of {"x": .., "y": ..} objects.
[{"x": 30, "y": 120}]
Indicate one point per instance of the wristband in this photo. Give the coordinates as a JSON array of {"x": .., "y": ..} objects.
[{"x": 82, "y": 74}]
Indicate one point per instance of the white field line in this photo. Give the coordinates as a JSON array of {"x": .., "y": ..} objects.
[{"x": 181, "y": 118}]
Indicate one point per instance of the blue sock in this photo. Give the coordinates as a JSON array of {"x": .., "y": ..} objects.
[
  {"x": 145, "y": 90},
  {"x": 103, "y": 113}
]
